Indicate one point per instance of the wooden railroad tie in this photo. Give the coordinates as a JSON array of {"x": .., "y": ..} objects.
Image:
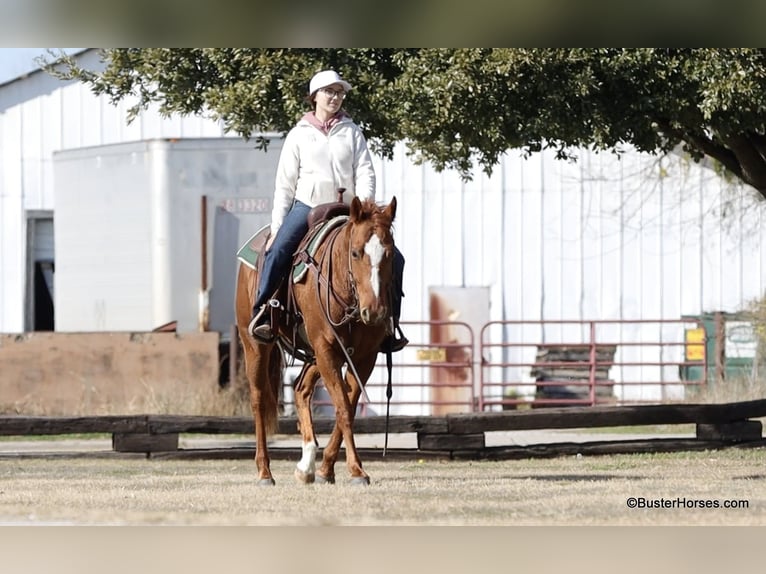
[{"x": 465, "y": 433}]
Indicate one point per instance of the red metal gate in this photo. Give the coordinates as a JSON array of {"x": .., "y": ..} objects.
[
  {"x": 557, "y": 363},
  {"x": 515, "y": 364},
  {"x": 434, "y": 375}
]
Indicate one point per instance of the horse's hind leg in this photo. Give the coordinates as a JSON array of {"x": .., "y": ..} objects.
[
  {"x": 263, "y": 368},
  {"x": 304, "y": 389},
  {"x": 256, "y": 370}
]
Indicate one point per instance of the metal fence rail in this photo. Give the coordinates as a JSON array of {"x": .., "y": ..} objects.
[{"x": 512, "y": 364}]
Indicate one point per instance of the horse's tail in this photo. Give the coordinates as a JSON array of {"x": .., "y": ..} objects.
[{"x": 271, "y": 395}]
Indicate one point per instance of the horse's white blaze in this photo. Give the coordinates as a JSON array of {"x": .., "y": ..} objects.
[
  {"x": 374, "y": 249},
  {"x": 307, "y": 464}
]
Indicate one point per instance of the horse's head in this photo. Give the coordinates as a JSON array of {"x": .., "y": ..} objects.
[{"x": 371, "y": 252}]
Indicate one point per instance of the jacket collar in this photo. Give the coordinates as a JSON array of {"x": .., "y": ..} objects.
[{"x": 325, "y": 127}]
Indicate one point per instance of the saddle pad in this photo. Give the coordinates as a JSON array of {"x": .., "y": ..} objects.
[
  {"x": 319, "y": 234},
  {"x": 248, "y": 253}
]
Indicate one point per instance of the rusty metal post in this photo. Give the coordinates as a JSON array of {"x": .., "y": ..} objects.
[
  {"x": 720, "y": 346},
  {"x": 204, "y": 303},
  {"x": 233, "y": 354},
  {"x": 592, "y": 367}
]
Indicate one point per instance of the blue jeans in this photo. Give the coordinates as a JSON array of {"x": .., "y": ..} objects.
[{"x": 278, "y": 259}]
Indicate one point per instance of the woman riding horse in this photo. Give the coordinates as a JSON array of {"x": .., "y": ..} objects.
[{"x": 324, "y": 152}]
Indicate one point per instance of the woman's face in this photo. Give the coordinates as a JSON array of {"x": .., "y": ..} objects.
[{"x": 329, "y": 99}]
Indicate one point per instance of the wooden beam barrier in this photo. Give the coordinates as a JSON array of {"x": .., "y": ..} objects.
[
  {"x": 158, "y": 424},
  {"x": 20, "y": 425},
  {"x": 452, "y": 433},
  {"x": 605, "y": 416},
  {"x": 738, "y": 431},
  {"x": 144, "y": 442}
]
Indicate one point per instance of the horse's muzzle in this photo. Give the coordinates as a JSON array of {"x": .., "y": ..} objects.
[{"x": 373, "y": 317}]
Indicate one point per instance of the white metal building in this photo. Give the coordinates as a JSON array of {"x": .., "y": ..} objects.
[{"x": 602, "y": 238}]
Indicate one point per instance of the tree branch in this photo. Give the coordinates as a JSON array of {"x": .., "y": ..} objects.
[
  {"x": 753, "y": 166},
  {"x": 706, "y": 146}
]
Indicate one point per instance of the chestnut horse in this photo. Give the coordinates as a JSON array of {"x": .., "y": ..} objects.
[{"x": 344, "y": 302}]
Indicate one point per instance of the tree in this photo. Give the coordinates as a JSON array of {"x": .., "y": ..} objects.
[{"x": 454, "y": 107}]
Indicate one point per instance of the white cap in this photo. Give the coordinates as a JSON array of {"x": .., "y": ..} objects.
[{"x": 326, "y": 78}]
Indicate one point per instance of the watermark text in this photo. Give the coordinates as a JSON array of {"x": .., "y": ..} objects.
[{"x": 686, "y": 503}]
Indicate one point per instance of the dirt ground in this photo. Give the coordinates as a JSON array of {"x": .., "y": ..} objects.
[{"x": 662, "y": 489}]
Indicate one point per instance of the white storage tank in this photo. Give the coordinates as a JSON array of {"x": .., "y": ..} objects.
[{"x": 131, "y": 219}]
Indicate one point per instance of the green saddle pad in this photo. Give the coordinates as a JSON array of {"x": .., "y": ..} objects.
[
  {"x": 300, "y": 268},
  {"x": 248, "y": 253}
]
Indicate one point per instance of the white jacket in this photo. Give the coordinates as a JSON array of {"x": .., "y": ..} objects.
[{"x": 312, "y": 166}]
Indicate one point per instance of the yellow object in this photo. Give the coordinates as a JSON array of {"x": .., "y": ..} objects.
[
  {"x": 434, "y": 355},
  {"x": 695, "y": 344}
]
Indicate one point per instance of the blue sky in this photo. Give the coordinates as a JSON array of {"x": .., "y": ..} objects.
[{"x": 15, "y": 62}]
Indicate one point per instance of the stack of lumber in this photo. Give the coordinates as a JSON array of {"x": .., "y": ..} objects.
[{"x": 564, "y": 372}]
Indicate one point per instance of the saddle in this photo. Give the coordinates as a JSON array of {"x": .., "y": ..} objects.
[{"x": 326, "y": 211}]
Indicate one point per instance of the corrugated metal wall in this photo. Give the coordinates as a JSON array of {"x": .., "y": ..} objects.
[
  {"x": 605, "y": 237},
  {"x": 601, "y": 238}
]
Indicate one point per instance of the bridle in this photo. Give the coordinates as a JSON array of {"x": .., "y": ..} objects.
[{"x": 351, "y": 311}]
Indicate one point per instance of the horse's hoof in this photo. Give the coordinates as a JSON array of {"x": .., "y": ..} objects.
[
  {"x": 304, "y": 477},
  {"x": 266, "y": 482},
  {"x": 360, "y": 480},
  {"x": 324, "y": 479}
]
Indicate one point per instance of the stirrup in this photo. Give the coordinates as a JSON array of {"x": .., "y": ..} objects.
[
  {"x": 260, "y": 327},
  {"x": 263, "y": 333}
]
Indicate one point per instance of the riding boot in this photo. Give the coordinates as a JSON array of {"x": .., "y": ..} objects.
[
  {"x": 260, "y": 325},
  {"x": 395, "y": 341}
]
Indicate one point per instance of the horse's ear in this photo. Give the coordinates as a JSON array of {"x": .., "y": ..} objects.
[
  {"x": 356, "y": 209},
  {"x": 391, "y": 208}
]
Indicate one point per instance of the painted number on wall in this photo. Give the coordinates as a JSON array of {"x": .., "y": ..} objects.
[{"x": 246, "y": 205}]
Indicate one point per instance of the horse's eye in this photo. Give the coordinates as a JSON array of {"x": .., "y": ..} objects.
[{"x": 355, "y": 254}]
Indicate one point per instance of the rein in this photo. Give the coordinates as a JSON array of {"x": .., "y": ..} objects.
[{"x": 351, "y": 311}]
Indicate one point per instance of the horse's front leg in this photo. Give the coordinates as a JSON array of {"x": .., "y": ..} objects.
[
  {"x": 304, "y": 390},
  {"x": 352, "y": 391},
  {"x": 326, "y": 472}
]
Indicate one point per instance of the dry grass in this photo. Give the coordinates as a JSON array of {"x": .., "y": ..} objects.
[
  {"x": 744, "y": 388},
  {"x": 563, "y": 491},
  {"x": 233, "y": 400},
  {"x": 150, "y": 397}
]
